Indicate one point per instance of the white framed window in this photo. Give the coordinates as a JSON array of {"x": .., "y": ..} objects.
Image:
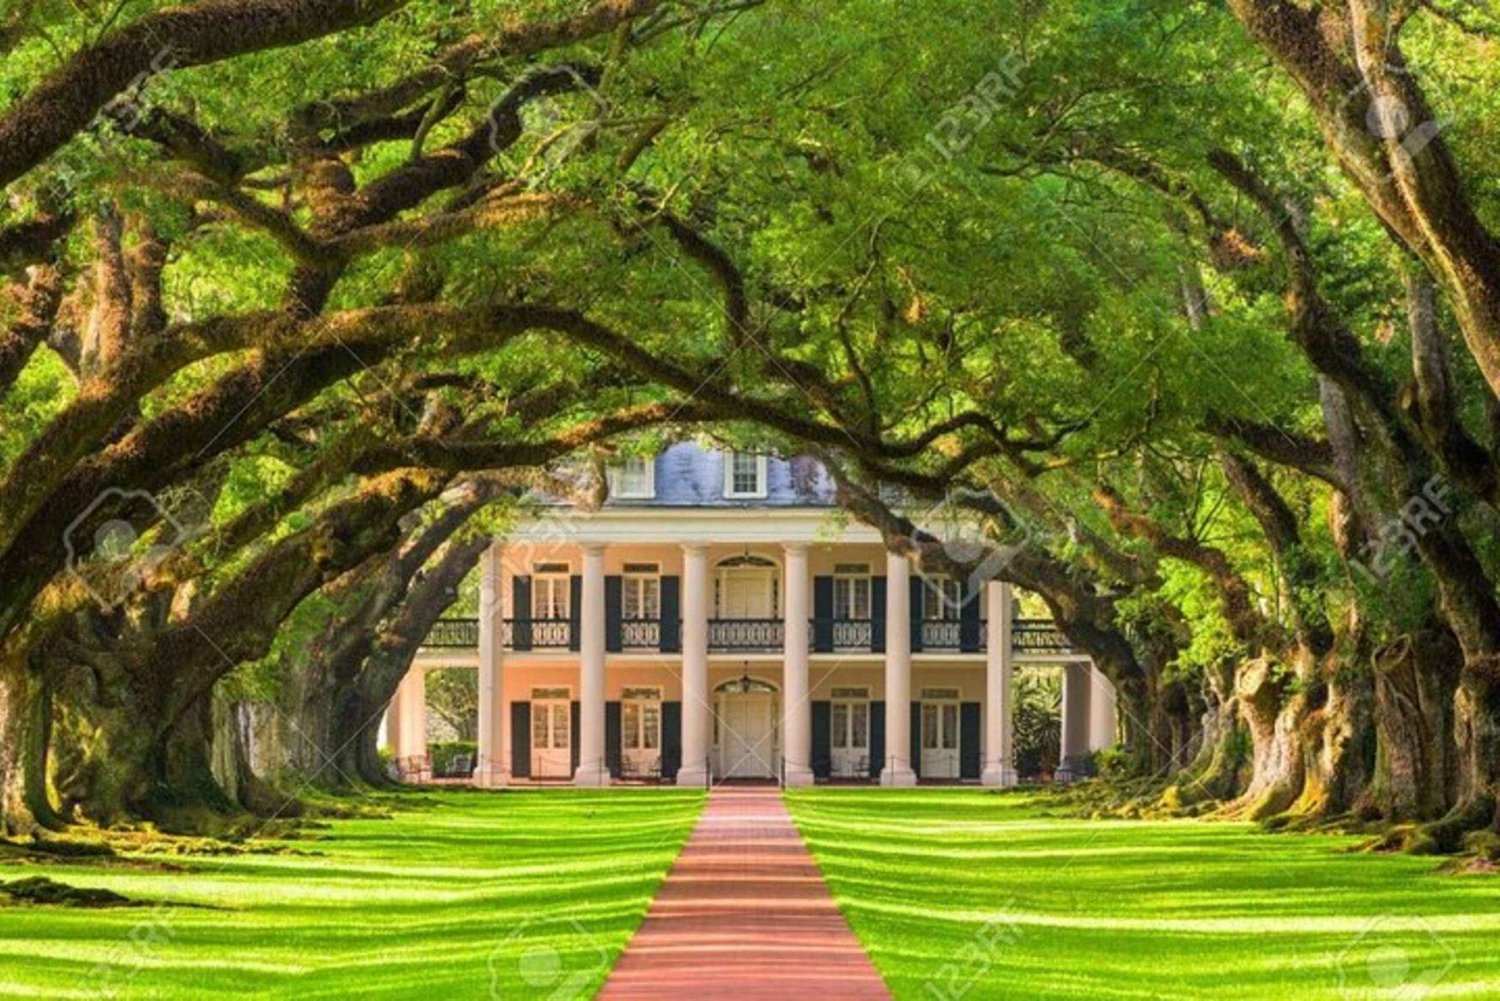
[
  {"x": 634, "y": 479},
  {"x": 551, "y": 591},
  {"x": 744, "y": 475},
  {"x": 942, "y": 599},
  {"x": 851, "y": 591},
  {"x": 641, "y": 591}
]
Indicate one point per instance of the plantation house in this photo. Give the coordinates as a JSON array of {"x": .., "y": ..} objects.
[{"x": 715, "y": 619}]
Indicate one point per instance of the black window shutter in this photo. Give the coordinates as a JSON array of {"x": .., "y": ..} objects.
[
  {"x": 877, "y": 615},
  {"x": 968, "y": 740},
  {"x": 614, "y": 611},
  {"x": 520, "y": 603},
  {"x": 916, "y": 737},
  {"x": 918, "y": 589},
  {"x": 577, "y": 720},
  {"x": 822, "y": 614},
  {"x": 877, "y": 737},
  {"x": 822, "y": 739},
  {"x": 968, "y": 622},
  {"x": 671, "y": 739},
  {"x": 520, "y": 739},
  {"x": 671, "y": 614},
  {"x": 575, "y": 613},
  {"x": 612, "y": 749}
]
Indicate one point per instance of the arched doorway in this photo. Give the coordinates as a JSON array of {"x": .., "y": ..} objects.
[{"x": 747, "y": 731}]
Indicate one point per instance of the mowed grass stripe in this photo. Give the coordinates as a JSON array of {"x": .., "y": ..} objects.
[
  {"x": 457, "y": 895},
  {"x": 960, "y": 892}
]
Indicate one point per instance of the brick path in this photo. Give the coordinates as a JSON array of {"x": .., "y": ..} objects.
[{"x": 744, "y": 914}]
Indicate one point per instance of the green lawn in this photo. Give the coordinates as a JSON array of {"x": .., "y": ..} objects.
[
  {"x": 529, "y": 893},
  {"x": 960, "y": 893}
]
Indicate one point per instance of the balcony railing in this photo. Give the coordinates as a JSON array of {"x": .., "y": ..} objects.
[
  {"x": 453, "y": 634},
  {"x": 850, "y": 634},
  {"x": 640, "y": 634},
  {"x": 1037, "y": 636},
  {"x": 941, "y": 634},
  {"x": 1028, "y": 636},
  {"x": 744, "y": 634}
]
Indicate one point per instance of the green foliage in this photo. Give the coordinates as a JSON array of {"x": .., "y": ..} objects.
[{"x": 1037, "y": 722}]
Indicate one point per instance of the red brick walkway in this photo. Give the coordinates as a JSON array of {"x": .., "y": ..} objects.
[{"x": 744, "y": 914}]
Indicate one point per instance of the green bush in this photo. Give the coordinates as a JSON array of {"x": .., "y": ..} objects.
[
  {"x": 443, "y": 753},
  {"x": 1038, "y": 724}
]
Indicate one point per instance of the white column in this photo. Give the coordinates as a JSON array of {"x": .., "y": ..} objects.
[
  {"x": 897, "y": 770},
  {"x": 1075, "y": 722},
  {"x": 592, "y": 771},
  {"x": 493, "y": 754},
  {"x": 695, "y": 697},
  {"x": 1103, "y": 713},
  {"x": 999, "y": 707},
  {"x": 796, "y": 738},
  {"x": 414, "y": 722},
  {"x": 393, "y": 740}
]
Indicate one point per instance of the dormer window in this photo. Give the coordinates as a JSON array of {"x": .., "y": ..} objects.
[
  {"x": 634, "y": 479},
  {"x": 745, "y": 475}
]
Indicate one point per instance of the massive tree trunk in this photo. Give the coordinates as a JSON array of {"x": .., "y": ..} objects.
[
  {"x": 1416, "y": 766},
  {"x": 25, "y": 721}
]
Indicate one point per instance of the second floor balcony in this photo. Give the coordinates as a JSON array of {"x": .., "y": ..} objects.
[{"x": 750, "y": 635}]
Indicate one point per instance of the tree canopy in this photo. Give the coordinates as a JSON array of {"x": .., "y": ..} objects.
[{"x": 1193, "y": 308}]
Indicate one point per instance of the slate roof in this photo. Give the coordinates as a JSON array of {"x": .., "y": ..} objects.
[{"x": 690, "y": 475}]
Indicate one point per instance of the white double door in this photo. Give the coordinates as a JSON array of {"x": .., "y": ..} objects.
[
  {"x": 746, "y": 594},
  {"x": 551, "y": 738},
  {"x": 849, "y": 722},
  {"x": 940, "y": 739},
  {"x": 747, "y": 735}
]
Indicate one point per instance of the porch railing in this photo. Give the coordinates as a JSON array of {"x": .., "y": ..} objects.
[
  {"x": 850, "y": 634},
  {"x": 1038, "y": 636},
  {"x": 744, "y": 634},
  {"x": 941, "y": 634},
  {"x": 451, "y": 634},
  {"x": 640, "y": 634},
  {"x": 1029, "y": 636}
]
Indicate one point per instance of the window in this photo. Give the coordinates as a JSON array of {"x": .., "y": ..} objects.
[
  {"x": 550, "y": 591},
  {"x": 634, "y": 478},
  {"x": 641, "y": 591},
  {"x": 851, "y": 591},
  {"x": 745, "y": 475},
  {"x": 942, "y": 600}
]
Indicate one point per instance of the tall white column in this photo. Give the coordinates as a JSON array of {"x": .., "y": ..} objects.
[
  {"x": 592, "y": 771},
  {"x": 897, "y": 770},
  {"x": 493, "y": 754},
  {"x": 796, "y": 741},
  {"x": 999, "y": 707},
  {"x": 1075, "y": 722},
  {"x": 393, "y": 740},
  {"x": 1102, "y": 723},
  {"x": 695, "y": 698},
  {"x": 414, "y": 724}
]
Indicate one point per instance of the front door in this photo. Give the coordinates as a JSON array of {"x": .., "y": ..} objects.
[
  {"x": 746, "y": 725},
  {"x": 551, "y": 738},
  {"x": 850, "y": 723},
  {"x": 940, "y": 740},
  {"x": 640, "y": 732}
]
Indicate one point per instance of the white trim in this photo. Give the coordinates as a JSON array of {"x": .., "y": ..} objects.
[
  {"x": 670, "y": 526},
  {"x": 761, "y": 478}
]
